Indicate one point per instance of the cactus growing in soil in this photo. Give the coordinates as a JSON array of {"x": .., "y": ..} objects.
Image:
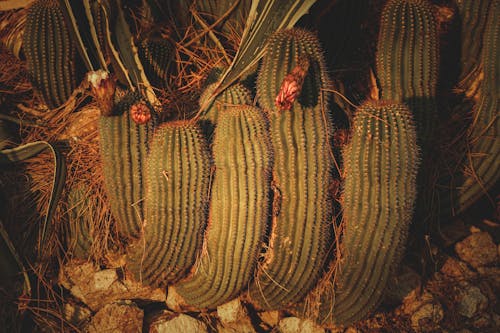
[
  {"x": 78, "y": 233},
  {"x": 407, "y": 60},
  {"x": 482, "y": 169},
  {"x": 177, "y": 176},
  {"x": 381, "y": 162},
  {"x": 300, "y": 128},
  {"x": 124, "y": 138},
  {"x": 49, "y": 51},
  {"x": 239, "y": 209}
]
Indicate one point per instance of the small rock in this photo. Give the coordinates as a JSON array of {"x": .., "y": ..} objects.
[
  {"x": 76, "y": 314},
  {"x": 456, "y": 269},
  {"x": 297, "y": 325},
  {"x": 492, "y": 275},
  {"x": 181, "y": 323},
  {"x": 471, "y": 301},
  {"x": 231, "y": 312},
  {"x": 425, "y": 311},
  {"x": 122, "y": 317},
  {"x": 483, "y": 322},
  {"x": 478, "y": 250},
  {"x": 104, "y": 279},
  {"x": 271, "y": 318}
]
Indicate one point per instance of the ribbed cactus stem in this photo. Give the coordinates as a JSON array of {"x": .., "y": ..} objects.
[
  {"x": 300, "y": 128},
  {"x": 49, "y": 51},
  {"x": 473, "y": 17},
  {"x": 124, "y": 146},
  {"x": 286, "y": 50},
  {"x": 156, "y": 55},
  {"x": 407, "y": 60},
  {"x": 177, "y": 176},
  {"x": 381, "y": 163},
  {"x": 482, "y": 165},
  {"x": 239, "y": 209}
]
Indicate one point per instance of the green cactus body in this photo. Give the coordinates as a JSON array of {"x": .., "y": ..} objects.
[
  {"x": 156, "y": 55},
  {"x": 301, "y": 235},
  {"x": 407, "y": 60},
  {"x": 124, "y": 146},
  {"x": 237, "y": 94},
  {"x": 482, "y": 165},
  {"x": 78, "y": 233},
  {"x": 239, "y": 209},
  {"x": 473, "y": 17},
  {"x": 49, "y": 52},
  {"x": 380, "y": 166},
  {"x": 177, "y": 179}
]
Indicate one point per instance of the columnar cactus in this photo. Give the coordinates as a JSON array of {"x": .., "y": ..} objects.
[
  {"x": 124, "y": 138},
  {"x": 473, "y": 17},
  {"x": 177, "y": 177},
  {"x": 156, "y": 55},
  {"x": 408, "y": 60},
  {"x": 49, "y": 51},
  {"x": 482, "y": 166},
  {"x": 78, "y": 231},
  {"x": 301, "y": 232},
  {"x": 381, "y": 162},
  {"x": 239, "y": 209}
]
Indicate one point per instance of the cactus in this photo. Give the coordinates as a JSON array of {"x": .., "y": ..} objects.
[
  {"x": 237, "y": 94},
  {"x": 381, "y": 163},
  {"x": 407, "y": 60},
  {"x": 482, "y": 169},
  {"x": 301, "y": 234},
  {"x": 239, "y": 209},
  {"x": 473, "y": 17},
  {"x": 124, "y": 146},
  {"x": 156, "y": 55},
  {"x": 49, "y": 51},
  {"x": 78, "y": 233},
  {"x": 177, "y": 176}
]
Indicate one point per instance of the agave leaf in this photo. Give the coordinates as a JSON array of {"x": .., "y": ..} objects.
[
  {"x": 265, "y": 17},
  {"x": 26, "y": 151},
  {"x": 10, "y": 262},
  {"x": 14, "y": 4}
]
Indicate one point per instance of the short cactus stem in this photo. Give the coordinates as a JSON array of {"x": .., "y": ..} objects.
[
  {"x": 79, "y": 226},
  {"x": 124, "y": 147},
  {"x": 177, "y": 176},
  {"x": 239, "y": 209},
  {"x": 49, "y": 51}
]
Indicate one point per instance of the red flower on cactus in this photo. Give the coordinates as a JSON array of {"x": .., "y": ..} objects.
[
  {"x": 140, "y": 113},
  {"x": 292, "y": 85}
]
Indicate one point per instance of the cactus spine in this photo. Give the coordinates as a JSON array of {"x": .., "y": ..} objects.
[
  {"x": 156, "y": 55},
  {"x": 301, "y": 235},
  {"x": 239, "y": 209},
  {"x": 50, "y": 53},
  {"x": 381, "y": 163},
  {"x": 177, "y": 179},
  {"x": 482, "y": 169},
  {"x": 124, "y": 145},
  {"x": 407, "y": 60}
]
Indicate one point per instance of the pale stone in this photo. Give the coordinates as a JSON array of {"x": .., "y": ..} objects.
[
  {"x": 271, "y": 318},
  {"x": 231, "y": 312},
  {"x": 76, "y": 314},
  {"x": 104, "y": 279},
  {"x": 181, "y": 323},
  {"x": 297, "y": 325},
  {"x": 478, "y": 250},
  {"x": 121, "y": 317},
  {"x": 471, "y": 301}
]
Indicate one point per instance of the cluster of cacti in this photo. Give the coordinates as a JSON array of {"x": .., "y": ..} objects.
[
  {"x": 124, "y": 147},
  {"x": 380, "y": 166},
  {"x": 79, "y": 227},
  {"x": 239, "y": 209},
  {"x": 408, "y": 60},
  {"x": 482, "y": 166},
  {"x": 301, "y": 228},
  {"x": 177, "y": 176},
  {"x": 50, "y": 52}
]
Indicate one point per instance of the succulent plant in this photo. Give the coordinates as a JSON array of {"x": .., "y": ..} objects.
[
  {"x": 380, "y": 165},
  {"x": 156, "y": 55},
  {"x": 408, "y": 60},
  {"x": 50, "y": 52},
  {"x": 239, "y": 209},
  {"x": 78, "y": 233},
  {"x": 289, "y": 88},
  {"x": 124, "y": 138},
  {"x": 177, "y": 176}
]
